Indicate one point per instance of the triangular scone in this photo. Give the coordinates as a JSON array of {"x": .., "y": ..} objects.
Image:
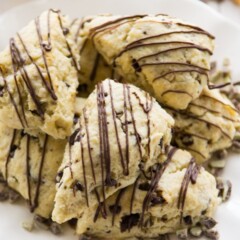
[
  {"x": 29, "y": 164},
  {"x": 179, "y": 195},
  {"x": 207, "y": 125},
  {"x": 38, "y": 76},
  {"x": 162, "y": 55},
  {"x": 122, "y": 131},
  {"x": 93, "y": 67}
]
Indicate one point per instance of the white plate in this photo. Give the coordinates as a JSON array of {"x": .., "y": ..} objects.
[{"x": 227, "y": 45}]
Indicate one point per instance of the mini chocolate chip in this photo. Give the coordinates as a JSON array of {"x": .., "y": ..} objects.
[
  {"x": 188, "y": 220},
  {"x": 73, "y": 222},
  {"x": 42, "y": 223},
  {"x": 115, "y": 209},
  {"x": 1, "y": 91},
  {"x": 157, "y": 200},
  {"x": 78, "y": 186},
  {"x": 12, "y": 150},
  {"x": 4, "y": 196},
  {"x": 129, "y": 221},
  {"x": 75, "y": 118},
  {"x": 208, "y": 222},
  {"x": 194, "y": 174},
  {"x": 55, "y": 228},
  {"x": 111, "y": 182},
  {"x": 144, "y": 186},
  {"x": 82, "y": 88},
  {"x": 204, "y": 212},
  {"x": 136, "y": 66},
  {"x": 65, "y": 31},
  {"x": 187, "y": 139},
  {"x": 161, "y": 143},
  {"x": 59, "y": 176},
  {"x": 214, "y": 235},
  {"x": 73, "y": 136},
  {"x": 34, "y": 112},
  {"x": 47, "y": 46}
]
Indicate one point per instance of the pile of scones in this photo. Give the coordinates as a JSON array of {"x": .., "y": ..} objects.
[{"x": 107, "y": 120}]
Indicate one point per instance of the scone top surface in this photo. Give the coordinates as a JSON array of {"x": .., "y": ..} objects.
[
  {"x": 38, "y": 76},
  {"x": 178, "y": 195},
  {"x": 208, "y": 124},
  {"x": 163, "y": 55},
  {"x": 122, "y": 131},
  {"x": 29, "y": 165}
]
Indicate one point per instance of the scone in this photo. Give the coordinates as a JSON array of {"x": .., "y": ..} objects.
[
  {"x": 162, "y": 55},
  {"x": 29, "y": 164},
  {"x": 122, "y": 132},
  {"x": 38, "y": 76},
  {"x": 207, "y": 125},
  {"x": 93, "y": 67},
  {"x": 180, "y": 194}
]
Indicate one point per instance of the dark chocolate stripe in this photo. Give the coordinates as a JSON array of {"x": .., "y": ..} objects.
[
  {"x": 116, "y": 205},
  {"x": 126, "y": 125},
  {"x": 163, "y": 35},
  {"x": 190, "y": 175},
  {"x": 83, "y": 164},
  {"x": 195, "y": 151},
  {"x": 134, "y": 122},
  {"x": 13, "y": 101},
  {"x": 9, "y": 154},
  {"x": 104, "y": 141},
  {"x": 224, "y": 104},
  {"x": 96, "y": 30},
  {"x": 28, "y": 170},
  {"x": 211, "y": 110},
  {"x": 19, "y": 64},
  {"x": 197, "y": 118},
  {"x": 180, "y": 71},
  {"x": 88, "y": 144},
  {"x": 177, "y": 92},
  {"x": 173, "y": 63},
  {"x": 146, "y": 108},
  {"x": 123, "y": 163},
  {"x": 175, "y": 49},
  {"x": 131, "y": 47},
  {"x": 44, "y": 47},
  {"x": 65, "y": 32},
  {"x": 154, "y": 183},
  {"x": 49, "y": 88},
  {"x": 39, "y": 181}
]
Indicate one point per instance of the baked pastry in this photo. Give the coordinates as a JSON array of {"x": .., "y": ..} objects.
[
  {"x": 29, "y": 165},
  {"x": 122, "y": 132},
  {"x": 207, "y": 125},
  {"x": 93, "y": 67},
  {"x": 180, "y": 194},
  {"x": 38, "y": 76},
  {"x": 162, "y": 55}
]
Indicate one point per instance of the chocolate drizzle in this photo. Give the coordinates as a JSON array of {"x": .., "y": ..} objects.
[
  {"x": 39, "y": 181},
  {"x": 126, "y": 161},
  {"x": 160, "y": 169},
  {"x": 116, "y": 207},
  {"x": 19, "y": 67},
  {"x": 147, "y": 109},
  {"x": 10, "y": 153},
  {"x": 190, "y": 176},
  {"x": 108, "y": 25},
  {"x": 83, "y": 164}
]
